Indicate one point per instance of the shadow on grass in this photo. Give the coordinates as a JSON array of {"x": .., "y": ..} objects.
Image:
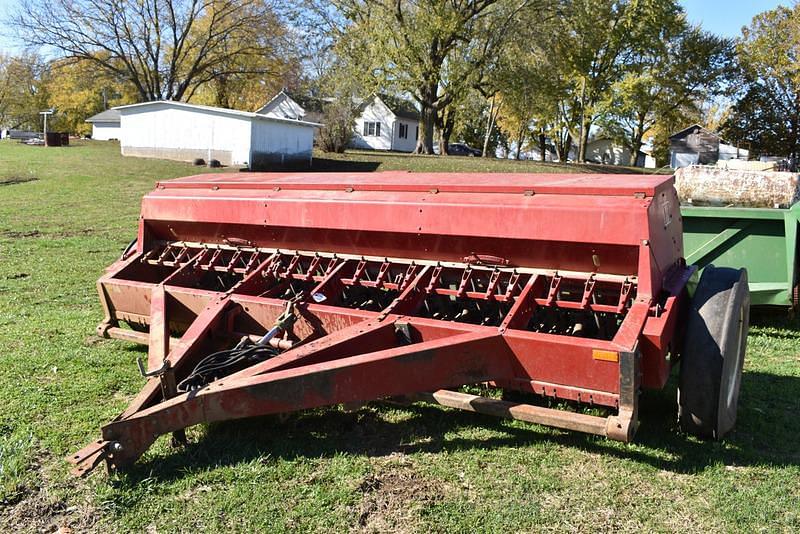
[
  {"x": 373, "y": 161},
  {"x": 766, "y": 431},
  {"x": 323, "y": 165},
  {"x": 456, "y": 164},
  {"x": 589, "y": 167},
  {"x": 340, "y": 165},
  {"x": 766, "y": 435}
]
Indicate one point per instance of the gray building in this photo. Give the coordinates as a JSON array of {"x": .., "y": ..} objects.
[{"x": 696, "y": 145}]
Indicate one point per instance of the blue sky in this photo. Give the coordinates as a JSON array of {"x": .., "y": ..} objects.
[{"x": 724, "y": 17}]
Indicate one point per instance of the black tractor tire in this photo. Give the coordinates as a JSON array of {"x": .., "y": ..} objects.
[{"x": 713, "y": 353}]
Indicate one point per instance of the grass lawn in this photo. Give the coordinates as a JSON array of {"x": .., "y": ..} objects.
[
  {"x": 391, "y": 161},
  {"x": 66, "y": 213}
]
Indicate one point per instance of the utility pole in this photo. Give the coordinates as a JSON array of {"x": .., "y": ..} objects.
[{"x": 45, "y": 114}]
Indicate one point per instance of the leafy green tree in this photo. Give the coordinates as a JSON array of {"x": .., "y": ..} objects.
[
  {"x": 587, "y": 66},
  {"x": 341, "y": 94},
  {"x": 433, "y": 51},
  {"x": 474, "y": 125},
  {"x": 767, "y": 114},
  {"x": 247, "y": 80},
  {"x": 665, "y": 77},
  {"x": 22, "y": 93},
  {"x": 78, "y": 90},
  {"x": 601, "y": 39}
]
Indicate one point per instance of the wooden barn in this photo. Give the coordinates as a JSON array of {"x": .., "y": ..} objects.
[
  {"x": 693, "y": 146},
  {"x": 696, "y": 145}
]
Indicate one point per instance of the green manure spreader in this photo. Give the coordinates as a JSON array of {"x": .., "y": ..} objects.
[{"x": 744, "y": 219}]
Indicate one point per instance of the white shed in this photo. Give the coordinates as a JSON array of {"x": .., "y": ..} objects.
[
  {"x": 729, "y": 152},
  {"x": 386, "y": 123},
  {"x": 181, "y": 131},
  {"x": 105, "y": 125},
  {"x": 282, "y": 106},
  {"x": 607, "y": 152}
]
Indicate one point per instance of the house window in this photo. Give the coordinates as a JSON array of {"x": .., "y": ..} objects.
[
  {"x": 403, "y": 131},
  {"x": 372, "y": 129}
]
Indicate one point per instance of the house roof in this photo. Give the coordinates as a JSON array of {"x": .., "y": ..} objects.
[
  {"x": 272, "y": 100},
  {"x": 312, "y": 106},
  {"x": 109, "y": 115},
  {"x": 275, "y": 101},
  {"x": 690, "y": 129},
  {"x": 400, "y": 107},
  {"x": 221, "y": 111}
]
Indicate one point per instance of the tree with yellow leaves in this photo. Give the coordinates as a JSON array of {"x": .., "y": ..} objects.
[
  {"x": 22, "y": 93},
  {"x": 77, "y": 89}
]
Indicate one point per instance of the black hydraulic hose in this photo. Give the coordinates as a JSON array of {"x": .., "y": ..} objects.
[{"x": 225, "y": 362}]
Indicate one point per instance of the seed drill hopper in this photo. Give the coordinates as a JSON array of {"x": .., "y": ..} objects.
[{"x": 271, "y": 293}]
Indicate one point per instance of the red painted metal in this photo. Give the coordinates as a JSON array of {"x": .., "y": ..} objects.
[{"x": 399, "y": 284}]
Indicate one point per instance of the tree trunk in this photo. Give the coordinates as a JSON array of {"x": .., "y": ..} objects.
[
  {"x": 542, "y": 146},
  {"x": 636, "y": 145},
  {"x": 567, "y": 146},
  {"x": 520, "y": 139},
  {"x": 584, "y": 140},
  {"x": 563, "y": 145},
  {"x": 583, "y": 134},
  {"x": 427, "y": 119},
  {"x": 446, "y": 127},
  {"x": 493, "y": 112},
  {"x": 442, "y": 141},
  {"x": 636, "y": 141},
  {"x": 426, "y": 123}
]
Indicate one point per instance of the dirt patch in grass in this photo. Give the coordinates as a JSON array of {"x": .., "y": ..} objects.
[
  {"x": 392, "y": 498},
  {"x": 16, "y": 179},
  {"x": 37, "y": 510},
  {"x": 40, "y": 512},
  {"x": 91, "y": 341},
  {"x": 76, "y": 233},
  {"x": 11, "y": 234}
]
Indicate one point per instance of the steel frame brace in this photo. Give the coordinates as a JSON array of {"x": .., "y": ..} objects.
[{"x": 338, "y": 355}]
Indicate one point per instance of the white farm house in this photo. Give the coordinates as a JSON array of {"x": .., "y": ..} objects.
[
  {"x": 180, "y": 131},
  {"x": 386, "y": 123}
]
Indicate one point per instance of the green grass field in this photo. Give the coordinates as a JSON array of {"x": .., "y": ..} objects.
[
  {"x": 390, "y": 161},
  {"x": 66, "y": 213}
]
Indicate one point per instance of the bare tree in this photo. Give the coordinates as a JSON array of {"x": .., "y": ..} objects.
[{"x": 166, "y": 48}]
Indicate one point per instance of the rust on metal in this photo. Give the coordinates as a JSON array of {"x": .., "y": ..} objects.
[{"x": 578, "y": 422}]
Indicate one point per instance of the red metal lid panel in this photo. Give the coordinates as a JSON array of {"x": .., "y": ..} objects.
[{"x": 556, "y": 184}]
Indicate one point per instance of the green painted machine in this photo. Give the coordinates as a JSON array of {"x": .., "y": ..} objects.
[{"x": 763, "y": 240}]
